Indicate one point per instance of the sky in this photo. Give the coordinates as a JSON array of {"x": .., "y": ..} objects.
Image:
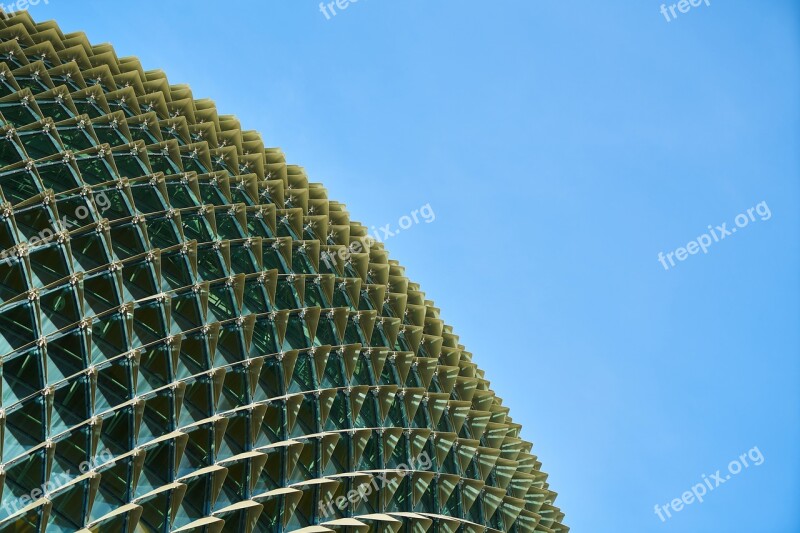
[{"x": 560, "y": 146}]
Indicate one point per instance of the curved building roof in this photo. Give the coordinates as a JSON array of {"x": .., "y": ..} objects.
[{"x": 194, "y": 337}]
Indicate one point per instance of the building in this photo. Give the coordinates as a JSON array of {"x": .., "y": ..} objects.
[{"x": 195, "y": 338}]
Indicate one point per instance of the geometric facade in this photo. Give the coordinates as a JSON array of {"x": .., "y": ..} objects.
[{"x": 195, "y": 338}]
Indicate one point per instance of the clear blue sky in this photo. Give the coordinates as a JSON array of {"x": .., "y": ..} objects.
[{"x": 562, "y": 145}]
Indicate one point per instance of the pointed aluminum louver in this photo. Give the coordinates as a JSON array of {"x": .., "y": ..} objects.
[{"x": 184, "y": 346}]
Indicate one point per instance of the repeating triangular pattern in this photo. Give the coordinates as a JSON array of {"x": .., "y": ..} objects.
[{"x": 195, "y": 338}]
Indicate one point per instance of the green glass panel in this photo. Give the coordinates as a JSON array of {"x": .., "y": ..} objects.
[
  {"x": 128, "y": 239},
  {"x": 110, "y": 336},
  {"x": 231, "y": 343},
  {"x": 265, "y": 338},
  {"x": 10, "y": 150},
  {"x": 39, "y": 143},
  {"x": 95, "y": 169},
  {"x": 18, "y": 114},
  {"x": 58, "y": 110},
  {"x": 13, "y": 277},
  {"x": 115, "y": 490},
  {"x": 142, "y": 133},
  {"x": 158, "y": 419},
  {"x": 155, "y": 367},
  {"x": 22, "y": 477},
  {"x": 20, "y": 184},
  {"x": 86, "y": 106},
  {"x": 210, "y": 263},
  {"x": 72, "y": 404},
  {"x": 181, "y": 195},
  {"x": 25, "y": 427},
  {"x": 150, "y": 322},
  {"x": 33, "y": 82},
  {"x": 194, "y": 356},
  {"x": 270, "y": 382},
  {"x": 67, "y": 354},
  {"x": 114, "y": 384},
  {"x": 23, "y": 376},
  {"x": 101, "y": 291},
  {"x": 60, "y": 307},
  {"x": 17, "y": 326},
  {"x": 131, "y": 166},
  {"x": 158, "y": 467},
  {"x": 338, "y": 417},
  {"x": 161, "y": 162},
  {"x": 199, "y": 452}
]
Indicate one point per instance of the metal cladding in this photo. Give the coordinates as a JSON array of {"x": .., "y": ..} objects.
[{"x": 195, "y": 338}]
